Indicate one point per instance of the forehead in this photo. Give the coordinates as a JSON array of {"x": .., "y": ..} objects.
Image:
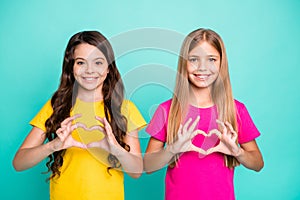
[
  {"x": 87, "y": 51},
  {"x": 204, "y": 49}
]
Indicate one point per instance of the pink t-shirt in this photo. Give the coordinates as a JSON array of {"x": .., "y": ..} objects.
[{"x": 197, "y": 176}]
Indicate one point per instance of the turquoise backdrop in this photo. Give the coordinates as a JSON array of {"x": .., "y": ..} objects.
[{"x": 262, "y": 42}]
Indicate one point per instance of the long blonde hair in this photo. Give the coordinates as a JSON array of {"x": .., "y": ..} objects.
[{"x": 221, "y": 92}]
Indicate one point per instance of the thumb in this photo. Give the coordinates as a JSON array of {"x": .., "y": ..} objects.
[
  {"x": 78, "y": 144},
  {"x": 96, "y": 144},
  {"x": 93, "y": 144},
  {"x": 211, "y": 150}
]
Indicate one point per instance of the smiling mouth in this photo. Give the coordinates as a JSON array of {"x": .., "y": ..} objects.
[
  {"x": 201, "y": 76},
  {"x": 89, "y": 78}
]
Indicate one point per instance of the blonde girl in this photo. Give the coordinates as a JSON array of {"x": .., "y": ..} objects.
[{"x": 206, "y": 131}]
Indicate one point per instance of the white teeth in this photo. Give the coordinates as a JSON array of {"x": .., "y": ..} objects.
[
  {"x": 202, "y": 76},
  {"x": 90, "y": 78}
]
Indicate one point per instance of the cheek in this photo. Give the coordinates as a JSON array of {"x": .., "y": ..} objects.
[
  {"x": 77, "y": 70},
  {"x": 215, "y": 68},
  {"x": 102, "y": 71},
  {"x": 190, "y": 68},
  {"x": 104, "y": 75}
]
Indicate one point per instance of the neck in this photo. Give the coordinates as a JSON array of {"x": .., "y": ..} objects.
[
  {"x": 90, "y": 96},
  {"x": 200, "y": 97}
]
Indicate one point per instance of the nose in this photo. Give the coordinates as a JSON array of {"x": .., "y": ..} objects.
[
  {"x": 89, "y": 68},
  {"x": 201, "y": 65}
]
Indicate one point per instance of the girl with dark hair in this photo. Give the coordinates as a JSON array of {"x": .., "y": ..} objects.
[
  {"x": 91, "y": 131},
  {"x": 206, "y": 130}
]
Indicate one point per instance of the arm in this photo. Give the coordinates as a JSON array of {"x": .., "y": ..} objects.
[
  {"x": 33, "y": 151},
  {"x": 156, "y": 157},
  {"x": 132, "y": 161},
  {"x": 250, "y": 156}
]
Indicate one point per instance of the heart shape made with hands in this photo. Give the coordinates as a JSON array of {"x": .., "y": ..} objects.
[
  {"x": 206, "y": 136},
  {"x": 86, "y": 134}
]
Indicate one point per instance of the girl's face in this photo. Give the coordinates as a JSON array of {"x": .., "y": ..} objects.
[
  {"x": 90, "y": 68},
  {"x": 203, "y": 65}
]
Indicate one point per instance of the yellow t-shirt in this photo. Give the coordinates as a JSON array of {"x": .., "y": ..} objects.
[{"x": 84, "y": 171}]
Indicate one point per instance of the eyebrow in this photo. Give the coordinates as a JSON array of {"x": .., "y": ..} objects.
[
  {"x": 94, "y": 59},
  {"x": 201, "y": 56}
]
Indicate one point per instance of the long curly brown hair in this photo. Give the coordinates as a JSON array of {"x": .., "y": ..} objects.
[{"x": 62, "y": 100}]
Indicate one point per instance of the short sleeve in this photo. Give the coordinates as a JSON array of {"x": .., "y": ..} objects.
[
  {"x": 134, "y": 118},
  {"x": 40, "y": 119},
  {"x": 247, "y": 129},
  {"x": 157, "y": 127}
]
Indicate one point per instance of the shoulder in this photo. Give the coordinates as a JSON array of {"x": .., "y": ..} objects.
[
  {"x": 128, "y": 107},
  {"x": 48, "y": 103},
  {"x": 241, "y": 111},
  {"x": 128, "y": 104},
  {"x": 47, "y": 107},
  {"x": 42, "y": 116},
  {"x": 166, "y": 104},
  {"x": 238, "y": 103},
  {"x": 239, "y": 106}
]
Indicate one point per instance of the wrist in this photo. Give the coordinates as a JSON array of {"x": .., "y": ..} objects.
[
  {"x": 239, "y": 152},
  {"x": 170, "y": 150},
  {"x": 52, "y": 146},
  {"x": 119, "y": 152}
]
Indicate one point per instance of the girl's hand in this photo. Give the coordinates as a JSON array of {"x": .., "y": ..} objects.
[
  {"x": 184, "y": 137},
  {"x": 64, "y": 137},
  {"x": 227, "y": 143},
  {"x": 109, "y": 143}
]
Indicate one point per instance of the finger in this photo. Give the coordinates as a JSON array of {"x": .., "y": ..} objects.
[
  {"x": 97, "y": 127},
  {"x": 234, "y": 133},
  {"x": 216, "y": 132},
  {"x": 107, "y": 126},
  {"x": 78, "y": 144},
  {"x": 197, "y": 149},
  {"x": 68, "y": 129},
  {"x": 194, "y": 133},
  {"x": 58, "y": 131},
  {"x": 110, "y": 136},
  {"x": 70, "y": 119},
  {"x": 194, "y": 124},
  {"x": 211, "y": 150},
  {"x": 222, "y": 125},
  {"x": 179, "y": 130},
  {"x": 78, "y": 125},
  {"x": 97, "y": 144},
  {"x": 60, "y": 134},
  {"x": 186, "y": 125},
  {"x": 215, "y": 149},
  {"x": 100, "y": 119}
]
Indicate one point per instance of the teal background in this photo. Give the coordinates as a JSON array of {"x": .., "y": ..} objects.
[{"x": 262, "y": 42}]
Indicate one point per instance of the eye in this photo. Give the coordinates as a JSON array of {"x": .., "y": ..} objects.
[
  {"x": 99, "y": 63},
  {"x": 212, "y": 59},
  {"x": 79, "y": 62},
  {"x": 193, "y": 59}
]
